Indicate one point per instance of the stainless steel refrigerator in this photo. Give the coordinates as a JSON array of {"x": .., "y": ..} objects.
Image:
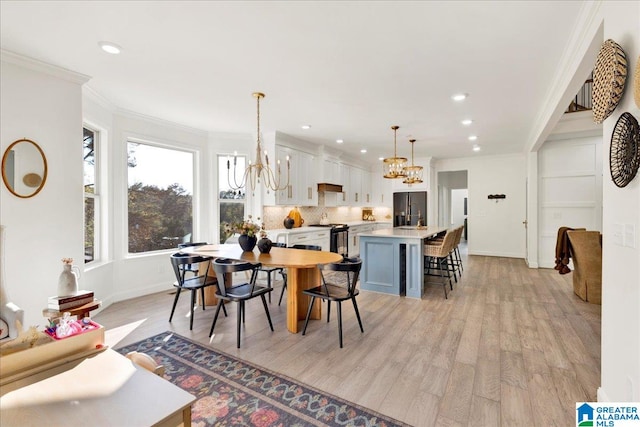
[{"x": 408, "y": 207}]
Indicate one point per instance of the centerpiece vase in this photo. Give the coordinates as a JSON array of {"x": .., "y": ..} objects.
[
  {"x": 247, "y": 243},
  {"x": 264, "y": 245}
]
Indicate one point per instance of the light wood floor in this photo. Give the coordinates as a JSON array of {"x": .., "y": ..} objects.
[{"x": 511, "y": 346}]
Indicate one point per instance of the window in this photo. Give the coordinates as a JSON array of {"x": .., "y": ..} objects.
[
  {"x": 91, "y": 195},
  {"x": 160, "y": 197},
  {"x": 231, "y": 203}
]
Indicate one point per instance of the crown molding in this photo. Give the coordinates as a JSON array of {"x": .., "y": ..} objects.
[
  {"x": 578, "y": 48},
  {"x": 161, "y": 122},
  {"x": 43, "y": 67},
  {"x": 94, "y": 96}
]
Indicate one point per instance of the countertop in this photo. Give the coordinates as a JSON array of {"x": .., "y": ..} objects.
[
  {"x": 404, "y": 232},
  {"x": 308, "y": 229}
]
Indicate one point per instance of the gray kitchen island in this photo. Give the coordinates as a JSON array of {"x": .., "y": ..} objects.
[{"x": 392, "y": 260}]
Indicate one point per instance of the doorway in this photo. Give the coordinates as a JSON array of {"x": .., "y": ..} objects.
[{"x": 453, "y": 199}]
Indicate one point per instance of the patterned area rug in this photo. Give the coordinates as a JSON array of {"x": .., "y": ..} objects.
[{"x": 232, "y": 392}]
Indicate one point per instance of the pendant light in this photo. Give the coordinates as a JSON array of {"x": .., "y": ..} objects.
[
  {"x": 413, "y": 173},
  {"x": 258, "y": 171},
  {"x": 393, "y": 167}
]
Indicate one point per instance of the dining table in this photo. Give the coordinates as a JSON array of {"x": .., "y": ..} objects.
[{"x": 302, "y": 273}]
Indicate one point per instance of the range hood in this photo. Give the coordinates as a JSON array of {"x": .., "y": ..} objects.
[{"x": 329, "y": 188}]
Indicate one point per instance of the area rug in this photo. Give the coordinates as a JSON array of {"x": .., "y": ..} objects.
[{"x": 232, "y": 392}]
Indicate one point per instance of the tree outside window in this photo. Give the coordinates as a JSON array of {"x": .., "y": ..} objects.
[
  {"x": 91, "y": 194},
  {"x": 160, "y": 197}
]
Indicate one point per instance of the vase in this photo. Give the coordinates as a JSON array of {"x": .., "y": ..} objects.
[
  {"x": 68, "y": 280},
  {"x": 264, "y": 245},
  {"x": 247, "y": 243}
]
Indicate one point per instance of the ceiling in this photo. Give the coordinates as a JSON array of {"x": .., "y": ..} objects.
[{"x": 351, "y": 70}]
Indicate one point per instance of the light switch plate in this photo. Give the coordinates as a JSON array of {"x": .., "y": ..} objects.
[
  {"x": 618, "y": 234},
  {"x": 630, "y": 235}
]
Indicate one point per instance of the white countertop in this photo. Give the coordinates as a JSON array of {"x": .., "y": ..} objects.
[
  {"x": 309, "y": 229},
  {"x": 404, "y": 232}
]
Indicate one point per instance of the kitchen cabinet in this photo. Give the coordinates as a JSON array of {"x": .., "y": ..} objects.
[
  {"x": 302, "y": 236},
  {"x": 355, "y": 187},
  {"x": 301, "y": 190},
  {"x": 345, "y": 173},
  {"x": 331, "y": 172},
  {"x": 381, "y": 193},
  {"x": 354, "y": 240}
]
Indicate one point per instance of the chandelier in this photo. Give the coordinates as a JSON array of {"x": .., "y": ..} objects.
[
  {"x": 258, "y": 171},
  {"x": 394, "y": 166},
  {"x": 414, "y": 173}
]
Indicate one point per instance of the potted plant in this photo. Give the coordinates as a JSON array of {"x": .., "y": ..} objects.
[{"x": 248, "y": 231}]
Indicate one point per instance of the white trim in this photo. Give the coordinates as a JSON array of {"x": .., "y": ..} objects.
[
  {"x": 601, "y": 395},
  {"x": 94, "y": 96},
  {"x": 160, "y": 122},
  {"x": 497, "y": 254},
  {"x": 43, "y": 67},
  {"x": 578, "y": 52}
]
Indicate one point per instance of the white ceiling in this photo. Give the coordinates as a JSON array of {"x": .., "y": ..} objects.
[{"x": 349, "y": 69}]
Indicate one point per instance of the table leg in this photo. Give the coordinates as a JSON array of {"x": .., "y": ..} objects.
[
  {"x": 186, "y": 416},
  {"x": 297, "y": 303}
]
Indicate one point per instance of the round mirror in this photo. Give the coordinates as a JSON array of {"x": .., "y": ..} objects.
[{"x": 24, "y": 168}]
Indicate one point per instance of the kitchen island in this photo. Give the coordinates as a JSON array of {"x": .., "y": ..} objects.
[{"x": 392, "y": 260}]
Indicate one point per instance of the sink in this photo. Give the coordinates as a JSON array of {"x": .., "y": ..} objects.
[{"x": 407, "y": 227}]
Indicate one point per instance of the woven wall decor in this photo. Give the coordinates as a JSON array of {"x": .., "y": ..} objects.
[
  {"x": 609, "y": 77},
  {"x": 624, "y": 152},
  {"x": 636, "y": 83}
]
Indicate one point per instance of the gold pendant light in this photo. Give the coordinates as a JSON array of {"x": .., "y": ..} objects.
[
  {"x": 258, "y": 170},
  {"x": 393, "y": 167},
  {"x": 413, "y": 173}
]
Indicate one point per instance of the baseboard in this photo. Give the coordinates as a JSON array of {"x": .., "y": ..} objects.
[
  {"x": 496, "y": 254},
  {"x": 602, "y": 396},
  {"x": 121, "y": 296}
]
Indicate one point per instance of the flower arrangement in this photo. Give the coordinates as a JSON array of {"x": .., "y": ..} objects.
[{"x": 248, "y": 227}]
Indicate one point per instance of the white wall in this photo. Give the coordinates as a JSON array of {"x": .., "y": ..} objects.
[
  {"x": 621, "y": 265},
  {"x": 119, "y": 275},
  {"x": 457, "y": 207},
  {"x": 42, "y": 103},
  {"x": 494, "y": 228},
  {"x": 569, "y": 190}
]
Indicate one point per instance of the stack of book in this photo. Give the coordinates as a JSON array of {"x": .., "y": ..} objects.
[{"x": 69, "y": 302}]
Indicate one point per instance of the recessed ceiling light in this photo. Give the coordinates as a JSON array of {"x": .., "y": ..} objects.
[
  {"x": 306, "y": 126},
  {"x": 380, "y": 158},
  {"x": 476, "y": 148},
  {"x": 364, "y": 150},
  {"x": 339, "y": 141},
  {"x": 473, "y": 138},
  {"x": 109, "y": 47},
  {"x": 459, "y": 97},
  {"x": 467, "y": 122}
]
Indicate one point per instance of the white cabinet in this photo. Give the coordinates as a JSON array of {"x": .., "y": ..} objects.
[
  {"x": 355, "y": 187},
  {"x": 366, "y": 188},
  {"x": 381, "y": 192},
  {"x": 301, "y": 190},
  {"x": 345, "y": 176},
  {"x": 331, "y": 172},
  {"x": 303, "y": 236},
  {"x": 354, "y": 240}
]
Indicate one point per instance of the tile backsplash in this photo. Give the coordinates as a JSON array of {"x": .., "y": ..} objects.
[{"x": 275, "y": 215}]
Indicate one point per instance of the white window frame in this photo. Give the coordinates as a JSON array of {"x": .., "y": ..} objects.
[
  {"x": 245, "y": 201},
  {"x": 169, "y": 145},
  {"x": 98, "y": 137}
]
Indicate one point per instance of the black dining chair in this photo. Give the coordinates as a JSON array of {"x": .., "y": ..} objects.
[
  {"x": 239, "y": 293},
  {"x": 270, "y": 270},
  {"x": 283, "y": 272},
  {"x": 179, "y": 262},
  {"x": 348, "y": 269},
  {"x": 191, "y": 268}
]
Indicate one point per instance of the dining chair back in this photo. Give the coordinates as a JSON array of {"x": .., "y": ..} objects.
[
  {"x": 284, "y": 272},
  {"x": 338, "y": 287},
  {"x": 270, "y": 270},
  {"x": 191, "y": 268},
  {"x": 240, "y": 293},
  {"x": 180, "y": 263}
]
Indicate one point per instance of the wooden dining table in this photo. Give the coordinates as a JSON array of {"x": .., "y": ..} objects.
[{"x": 302, "y": 273}]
